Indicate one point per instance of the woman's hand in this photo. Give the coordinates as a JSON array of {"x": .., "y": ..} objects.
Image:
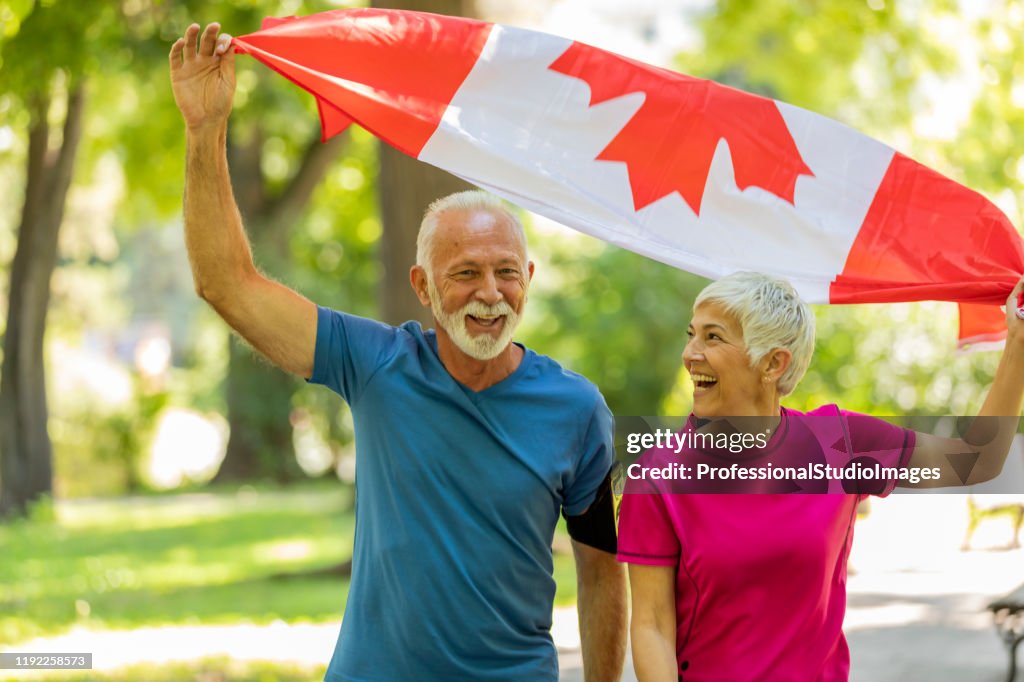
[{"x": 1014, "y": 324}]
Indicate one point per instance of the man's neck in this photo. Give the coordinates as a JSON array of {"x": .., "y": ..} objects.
[{"x": 474, "y": 374}]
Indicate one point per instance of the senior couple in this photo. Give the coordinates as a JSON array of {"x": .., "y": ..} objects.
[{"x": 470, "y": 446}]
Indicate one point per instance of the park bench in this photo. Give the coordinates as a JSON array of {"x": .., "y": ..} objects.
[{"x": 1008, "y": 612}]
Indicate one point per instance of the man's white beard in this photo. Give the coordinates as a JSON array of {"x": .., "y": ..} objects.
[{"x": 482, "y": 346}]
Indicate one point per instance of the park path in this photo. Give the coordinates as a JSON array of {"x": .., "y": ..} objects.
[
  {"x": 916, "y": 608},
  {"x": 304, "y": 644}
]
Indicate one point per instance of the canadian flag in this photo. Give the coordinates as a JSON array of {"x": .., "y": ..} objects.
[{"x": 686, "y": 171}]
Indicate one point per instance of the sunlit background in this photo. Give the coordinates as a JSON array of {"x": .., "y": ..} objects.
[{"x": 164, "y": 534}]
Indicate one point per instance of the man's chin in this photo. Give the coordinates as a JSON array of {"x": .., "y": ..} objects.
[{"x": 483, "y": 346}]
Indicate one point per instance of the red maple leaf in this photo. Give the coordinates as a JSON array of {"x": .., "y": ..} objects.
[{"x": 668, "y": 144}]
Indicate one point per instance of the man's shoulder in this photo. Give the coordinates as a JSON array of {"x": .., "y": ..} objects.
[
  {"x": 359, "y": 324},
  {"x": 551, "y": 371},
  {"x": 369, "y": 343}
]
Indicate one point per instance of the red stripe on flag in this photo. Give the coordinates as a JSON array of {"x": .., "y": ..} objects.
[
  {"x": 400, "y": 69},
  {"x": 926, "y": 237},
  {"x": 981, "y": 324}
]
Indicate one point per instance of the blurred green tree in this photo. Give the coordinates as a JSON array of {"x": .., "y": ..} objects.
[
  {"x": 51, "y": 90},
  {"x": 48, "y": 51},
  {"x": 277, "y": 166}
]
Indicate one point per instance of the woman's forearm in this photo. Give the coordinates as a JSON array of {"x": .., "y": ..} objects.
[{"x": 654, "y": 653}]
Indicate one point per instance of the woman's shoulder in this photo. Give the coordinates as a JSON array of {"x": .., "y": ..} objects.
[{"x": 831, "y": 409}]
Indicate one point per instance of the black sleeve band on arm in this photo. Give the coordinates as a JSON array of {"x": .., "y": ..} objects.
[{"x": 596, "y": 526}]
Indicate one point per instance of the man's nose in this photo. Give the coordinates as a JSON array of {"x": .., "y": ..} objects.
[{"x": 488, "y": 291}]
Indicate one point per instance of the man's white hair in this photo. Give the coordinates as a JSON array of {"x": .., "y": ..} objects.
[
  {"x": 771, "y": 315},
  {"x": 469, "y": 200}
]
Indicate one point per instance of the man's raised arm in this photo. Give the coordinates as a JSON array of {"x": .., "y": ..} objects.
[{"x": 277, "y": 321}]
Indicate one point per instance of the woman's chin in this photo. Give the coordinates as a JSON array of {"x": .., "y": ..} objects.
[{"x": 703, "y": 411}]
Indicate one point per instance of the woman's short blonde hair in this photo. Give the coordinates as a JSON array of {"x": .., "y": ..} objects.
[{"x": 771, "y": 315}]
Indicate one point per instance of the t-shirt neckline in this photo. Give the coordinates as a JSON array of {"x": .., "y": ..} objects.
[{"x": 431, "y": 337}]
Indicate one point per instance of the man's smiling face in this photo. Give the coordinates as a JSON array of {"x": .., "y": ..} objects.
[{"x": 478, "y": 280}]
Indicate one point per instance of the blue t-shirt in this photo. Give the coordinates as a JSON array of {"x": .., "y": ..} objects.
[{"x": 457, "y": 497}]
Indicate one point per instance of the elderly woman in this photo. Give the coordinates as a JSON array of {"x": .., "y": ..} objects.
[{"x": 753, "y": 587}]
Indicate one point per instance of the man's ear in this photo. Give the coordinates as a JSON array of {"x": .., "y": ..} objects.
[
  {"x": 418, "y": 280},
  {"x": 529, "y": 271}
]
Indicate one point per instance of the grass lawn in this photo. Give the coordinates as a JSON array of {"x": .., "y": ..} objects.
[{"x": 247, "y": 556}]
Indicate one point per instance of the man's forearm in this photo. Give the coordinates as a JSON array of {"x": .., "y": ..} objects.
[
  {"x": 218, "y": 249},
  {"x": 603, "y": 616}
]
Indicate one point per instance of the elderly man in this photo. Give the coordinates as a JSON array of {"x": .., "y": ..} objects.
[{"x": 468, "y": 445}]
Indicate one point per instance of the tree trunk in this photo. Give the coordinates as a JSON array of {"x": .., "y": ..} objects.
[
  {"x": 26, "y": 454},
  {"x": 405, "y": 189},
  {"x": 259, "y": 399},
  {"x": 259, "y": 395}
]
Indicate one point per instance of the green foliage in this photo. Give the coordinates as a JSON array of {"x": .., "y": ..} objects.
[
  {"x": 894, "y": 359},
  {"x": 855, "y": 60},
  {"x": 334, "y": 252},
  {"x": 11, "y": 14},
  {"x": 988, "y": 150},
  {"x": 68, "y": 37}
]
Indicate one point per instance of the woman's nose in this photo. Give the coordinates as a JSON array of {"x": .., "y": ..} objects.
[{"x": 692, "y": 351}]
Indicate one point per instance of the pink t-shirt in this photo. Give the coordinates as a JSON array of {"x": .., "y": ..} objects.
[{"x": 760, "y": 578}]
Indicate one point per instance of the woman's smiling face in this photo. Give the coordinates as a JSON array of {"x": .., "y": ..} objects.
[{"x": 725, "y": 384}]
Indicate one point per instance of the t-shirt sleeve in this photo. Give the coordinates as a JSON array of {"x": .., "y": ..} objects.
[
  {"x": 874, "y": 441},
  {"x": 598, "y": 452},
  {"x": 646, "y": 533},
  {"x": 349, "y": 350}
]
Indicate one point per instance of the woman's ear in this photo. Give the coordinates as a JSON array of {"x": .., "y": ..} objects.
[{"x": 775, "y": 364}]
